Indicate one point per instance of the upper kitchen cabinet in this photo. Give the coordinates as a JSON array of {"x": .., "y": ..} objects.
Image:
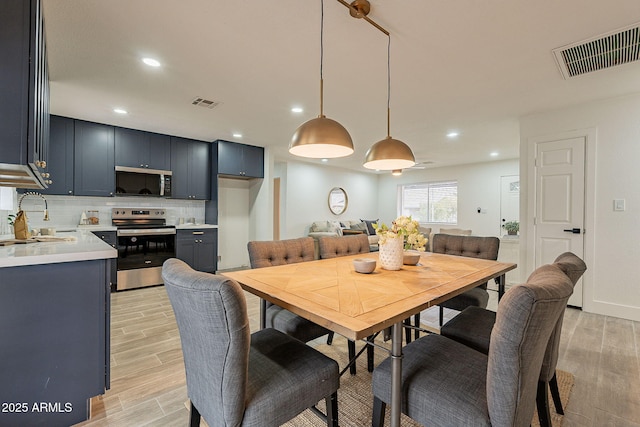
[
  {"x": 24, "y": 85},
  {"x": 191, "y": 169},
  {"x": 94, "y": 159},
  {"x": 60, "y": 165},
  {"x": 139, "y": 149},
  {"x": 240, "y": 160}
]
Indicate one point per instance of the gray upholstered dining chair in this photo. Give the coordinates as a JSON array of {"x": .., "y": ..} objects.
[
  {"x": 333, "y": 247},
  {"x": 281, "y": 252},
  {"x": 234, "y": 377},
  {"x": 446, "y": 383},
  {"x": 469, "y": 246},
  {"x": 473, "y": 328}
]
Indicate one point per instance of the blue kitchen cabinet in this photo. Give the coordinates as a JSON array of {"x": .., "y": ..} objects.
[
  {"x": 60, "y": 164},
  {"x": 191, "y": 169},
  {"x": 198, "y": 248},
  {"x": 94, "y": 159},
  {"x": 140, "y": 149},
  {"x": 240, "y": 160}
]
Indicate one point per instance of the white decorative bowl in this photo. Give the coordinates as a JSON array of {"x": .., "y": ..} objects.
[
  {"x": 364, "y": 265},
  {"x": 410, "y": 257}
]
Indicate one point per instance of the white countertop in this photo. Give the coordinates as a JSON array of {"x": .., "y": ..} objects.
[
  {"x": 86, "y": 247},
  {"x": 196, "y": 226}
]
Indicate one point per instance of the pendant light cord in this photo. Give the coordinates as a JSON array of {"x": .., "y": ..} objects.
[
  {"x": 389, "y": 86},
  {"x": 321, "y": 57}
]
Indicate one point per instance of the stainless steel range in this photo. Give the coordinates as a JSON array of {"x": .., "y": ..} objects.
[{"x": 145, "y": 241}]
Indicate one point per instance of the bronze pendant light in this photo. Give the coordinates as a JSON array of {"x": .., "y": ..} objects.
[
  {"x": 388, "y": 154},
  {"x": 321, "y": 137}
]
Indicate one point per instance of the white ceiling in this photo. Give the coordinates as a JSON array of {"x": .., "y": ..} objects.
[{"x": 474, "y": 66}]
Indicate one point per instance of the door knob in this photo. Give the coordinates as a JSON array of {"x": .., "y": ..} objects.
[{"x": 573, "y": 230}]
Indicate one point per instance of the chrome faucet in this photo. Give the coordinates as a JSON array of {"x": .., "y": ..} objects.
[{"x": 33, "y": 193}]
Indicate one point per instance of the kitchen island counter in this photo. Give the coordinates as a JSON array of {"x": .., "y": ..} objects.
[
  {"x": 85, "y": 246},
  {"x": 55, "y": 335}
]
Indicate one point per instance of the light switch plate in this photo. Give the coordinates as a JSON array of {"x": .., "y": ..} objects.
[{"x": 618, "y": 204}]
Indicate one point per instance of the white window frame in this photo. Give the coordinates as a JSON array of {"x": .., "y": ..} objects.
[{"x": 428, "y": 188}]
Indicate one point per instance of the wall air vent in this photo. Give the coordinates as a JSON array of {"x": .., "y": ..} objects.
[
  {"x": 600, "y": 52},
  {"x": 206, "y": 103}
]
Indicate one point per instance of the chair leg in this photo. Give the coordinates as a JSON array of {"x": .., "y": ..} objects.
[
  {"x": 194, "y": 417},
  {"x": 407, "y": 331},
  {"x": 352, "y": 353},
  {"x": 416, "y": 332},
  {"x": 379, "y": 408},
  {"x": 542, "y": 403},
  {"x": 441, "y": 315},
  {"x": 555, "y": 394},
  {"x": 330, "y": 338},
  {"x": 370, "y": 349},
  {"x": 332, "y": 410}
]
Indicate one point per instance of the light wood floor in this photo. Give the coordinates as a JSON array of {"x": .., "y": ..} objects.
[{"x": 148, "y": 384}]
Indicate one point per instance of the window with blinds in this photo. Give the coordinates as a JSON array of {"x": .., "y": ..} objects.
[{"x": 432, "y": 202}]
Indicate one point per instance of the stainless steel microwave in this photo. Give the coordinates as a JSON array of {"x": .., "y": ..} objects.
[{"x": 142, "y": 182}]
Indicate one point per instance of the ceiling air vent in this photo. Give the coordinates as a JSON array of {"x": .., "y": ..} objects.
[
  {"x": 604, "y": 51},
  {"x": 206, "y": 103}
]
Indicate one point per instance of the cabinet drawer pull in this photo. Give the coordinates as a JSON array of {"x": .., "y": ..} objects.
[{"x": 198, "y": 233}]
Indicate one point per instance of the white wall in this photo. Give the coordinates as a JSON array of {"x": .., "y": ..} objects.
[
  {"x": 478, "y": 187},
  {"x": 305, "y": 190},
  {"x": 613, "y": 238},
  {"x": 233, "y": 222}
]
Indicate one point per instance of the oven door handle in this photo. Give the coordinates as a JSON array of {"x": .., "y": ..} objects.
[{"x": 147, "y": 232}]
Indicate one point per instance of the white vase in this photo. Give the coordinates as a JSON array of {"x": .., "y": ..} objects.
[{"x": 391, "y": 254}]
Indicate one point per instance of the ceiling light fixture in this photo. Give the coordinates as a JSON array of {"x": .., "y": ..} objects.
[
  {"x": 389, "y": 153},
  {"x": 494, "y": 154},
  {"x": 452, "y": 134},
  {"x": 237, "y": 135},
  {"x": 321, "y": 137},
  {"x": 297, "y": 110},
  {"x": 396, "y": 172},
  {"x": 151, "y": 62},
  {"x": 120, "y": 111}
]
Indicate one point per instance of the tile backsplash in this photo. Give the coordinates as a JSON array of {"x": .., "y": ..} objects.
[{"x": 65, "y": 211}]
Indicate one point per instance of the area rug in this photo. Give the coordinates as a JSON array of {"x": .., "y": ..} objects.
[{"x": 355, "y": 399}]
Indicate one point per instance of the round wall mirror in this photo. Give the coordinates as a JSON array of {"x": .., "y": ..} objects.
[{"x": 338, "y": 200}]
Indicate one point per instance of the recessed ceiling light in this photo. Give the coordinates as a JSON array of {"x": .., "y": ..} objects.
[
  {"x": 120, "y": 111},
  {"x": 237, "y": 135},
  {"x": 151, "y": 62},
  {"x": 297, "y": 110},
  {"x": 325, "y": 160},
  {"x": 453, "y": 134},
  {"x": 494, "y": 154}
]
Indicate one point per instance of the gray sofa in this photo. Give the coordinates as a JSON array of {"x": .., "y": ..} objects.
[{"x": 333, "y": 228}]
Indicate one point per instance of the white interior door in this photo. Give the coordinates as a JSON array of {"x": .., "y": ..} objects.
[
  {"x": 559, "y": 218},
  {"x": 509, "y": 200}
]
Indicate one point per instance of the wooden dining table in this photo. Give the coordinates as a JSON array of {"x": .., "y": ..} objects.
[{"x": 331, "y": 293}]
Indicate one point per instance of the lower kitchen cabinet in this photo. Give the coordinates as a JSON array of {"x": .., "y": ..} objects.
[
  {"x": 55, "y": 348},
  {"x": 198, "y": 248},
  {"x": 111, "y": 238}
]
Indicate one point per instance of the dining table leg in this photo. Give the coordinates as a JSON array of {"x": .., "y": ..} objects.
[{"x": 396, "y": 374}]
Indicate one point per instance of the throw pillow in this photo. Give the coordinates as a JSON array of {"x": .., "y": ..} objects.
[
  {"x": 319, "y": 226},
  {"x": 369, "y": 223},
  {"x": 360, "y": 226}
]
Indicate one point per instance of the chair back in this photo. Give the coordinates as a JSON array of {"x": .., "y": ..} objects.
[
  {"x": 212, "y": 319},
  {"x": 333, "y": 247},
  {"x": 574, "y": 268},
  {"x": 469, "y": 246},
  {"x": 280, "y": 252},
  {"x": 526, "y": 317}
]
